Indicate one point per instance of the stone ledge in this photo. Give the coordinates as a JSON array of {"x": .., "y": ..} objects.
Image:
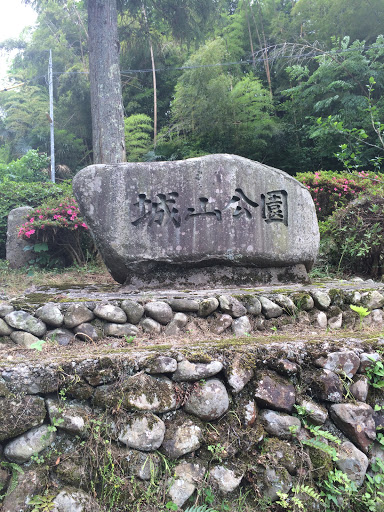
[{"x": 62, "y": 316}]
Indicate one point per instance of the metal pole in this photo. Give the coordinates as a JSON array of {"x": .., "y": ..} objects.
[{"x": 50, "y": 83}]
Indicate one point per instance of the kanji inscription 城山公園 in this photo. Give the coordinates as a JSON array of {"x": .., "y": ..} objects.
[{"x": 273, "y": 207}]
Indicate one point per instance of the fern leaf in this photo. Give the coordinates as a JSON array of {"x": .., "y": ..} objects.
[
  {"x": 323, "y": 433},
  {"x": 319, "y": 445},
  {"x": 306, "y": 489},
  {"x": 16, "y": 471},
  {"x": 201, "y": 508}
]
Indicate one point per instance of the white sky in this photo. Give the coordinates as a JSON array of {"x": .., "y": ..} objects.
[{"x": 14, "y": 17}]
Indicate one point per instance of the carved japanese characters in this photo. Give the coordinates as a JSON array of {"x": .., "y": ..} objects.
[{"x": 163, "y": 208}]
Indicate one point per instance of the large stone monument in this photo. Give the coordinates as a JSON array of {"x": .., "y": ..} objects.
[{"x": 218, "y": 220}]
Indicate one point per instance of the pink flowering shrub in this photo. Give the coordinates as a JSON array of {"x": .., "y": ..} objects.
[
  {"x": 331, "y": 190},
  {"x": 59, "y": 225}
]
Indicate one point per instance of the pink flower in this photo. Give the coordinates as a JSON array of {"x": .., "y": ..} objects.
[
  {"x": 31, "y": 219},
  {"x": 29, "y": 233},
  {"x": 41, "y": 216}
]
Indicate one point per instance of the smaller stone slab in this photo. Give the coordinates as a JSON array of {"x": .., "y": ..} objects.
[{"x": 14, "y": 250}]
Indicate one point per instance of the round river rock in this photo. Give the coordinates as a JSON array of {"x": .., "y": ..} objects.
[{"x": 209, "y": 400}]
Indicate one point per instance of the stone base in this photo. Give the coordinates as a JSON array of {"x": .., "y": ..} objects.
[{"x": 216, "y": 276}]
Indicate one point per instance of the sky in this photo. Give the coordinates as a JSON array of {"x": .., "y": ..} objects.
[{"x": 14, "y": 16}]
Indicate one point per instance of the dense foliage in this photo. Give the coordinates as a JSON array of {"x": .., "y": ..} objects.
[
  {"x": 350, "y": 209},
  {"x": 138, "y": 131},
  {"x": 332, "y": 190},
  {"x": 239, "y": 76},
  {"x": 30, "y": 167}
]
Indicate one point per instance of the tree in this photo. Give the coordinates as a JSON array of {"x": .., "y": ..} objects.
[
  {"x": 138, "y": 129},
  {"x": 24, "y": 116},
  {"x": 155, "y": 22},
  {"x": 104, "y": 74},
  {"x": 319, "y": 20},
  {"x": 223, "y": 110},
  {"x": 104, "y": 71},
  {"x": 337, "y": 87},
  {"x": 23, "y": 109},
  {"x": 254, "y": 121}
]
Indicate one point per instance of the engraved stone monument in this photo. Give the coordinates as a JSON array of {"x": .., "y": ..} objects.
[{"x": 218, "y": 220}]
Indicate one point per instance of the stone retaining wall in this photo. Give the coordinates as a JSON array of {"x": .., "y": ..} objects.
[
  {"x": 100, "y": 430},
  {"x": 220, "y": 314},
  {"x": 111, "y": 427}
]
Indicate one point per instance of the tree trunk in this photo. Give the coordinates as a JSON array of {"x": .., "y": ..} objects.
[
  {"x": 104, "y": 73},
  {"x": 154, "y": 96},
  {"x": 153, "y": 76}
]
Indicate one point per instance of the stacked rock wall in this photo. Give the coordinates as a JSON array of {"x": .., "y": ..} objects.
[
  {"x": 219, "y": 418},
  {"x": 219, "y": 314},
  {"x": 100, "y": 430}
]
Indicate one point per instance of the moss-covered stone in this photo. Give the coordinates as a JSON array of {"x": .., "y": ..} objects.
[
  {"x": 271, "y": 479},
  {"x": 19, "y": 414},
  {"x": 337, "y": 297},
  {"x": 333, "y": 311},
  {"x": 72, "y": 471},
  {"x": 302, "y": 300},
  {"x": 281, "y": 453},
  {"x": 147, "y": 393},
  {"x": 321, "y": 463}
]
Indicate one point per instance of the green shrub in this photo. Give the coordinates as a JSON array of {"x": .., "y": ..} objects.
[
  {"x": 15, "y": 194},
  {"x": 352, "y": 239},
  {"x": 331, "y": 190}
]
